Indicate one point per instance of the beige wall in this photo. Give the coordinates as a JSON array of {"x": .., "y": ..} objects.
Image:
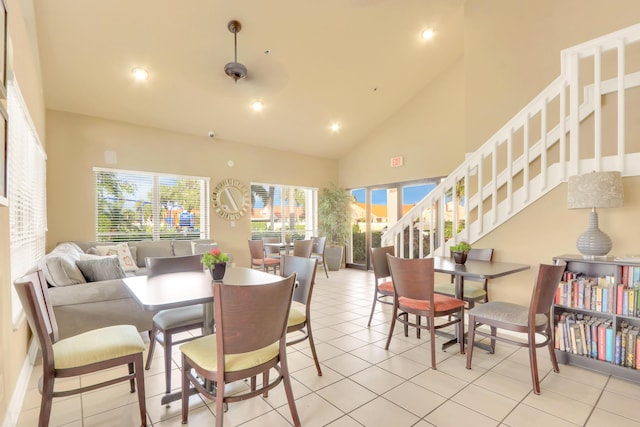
[
  {"x": 23, "y": 61},
  {"x": 512, "y": 51},
  {"x": 76, "y": 144},
  {"x": 428, "y": 132}
]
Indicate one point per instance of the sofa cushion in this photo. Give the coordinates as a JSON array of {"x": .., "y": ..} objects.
[
  {"x": 59, "y": 265},
  {"x": 123, "y": 253},
  {"x": 103, "y": 268},
  {"x": 149, "y": 248}
]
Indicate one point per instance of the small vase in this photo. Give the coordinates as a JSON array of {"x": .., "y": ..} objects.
[
  {"x": 218, "y": 270},
  {"x": 459, "y": 257}
]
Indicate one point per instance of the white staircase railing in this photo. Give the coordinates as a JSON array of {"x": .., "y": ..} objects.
[{"x": 558, "y": 134}]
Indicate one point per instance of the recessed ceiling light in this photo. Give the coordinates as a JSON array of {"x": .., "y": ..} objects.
[
  {"x": 335, "y": 127},
  {"x": 427, "y": 34},
  {"x": 140, "y": 74},
  {"x": 257, "y": 106}
]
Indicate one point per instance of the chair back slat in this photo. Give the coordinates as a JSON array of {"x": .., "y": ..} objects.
[
  {"x": 549, "y": 277},
  {"x": 34, "y": 297},
  {"x": 250, "y": 317},
  {"x": 305, "y": 270},
  {"x": 302, "y": 248},
  {"x": 379, "y": 261},
  {"x": 412, "y": 278},
  {"x": 178, "y": 264}
]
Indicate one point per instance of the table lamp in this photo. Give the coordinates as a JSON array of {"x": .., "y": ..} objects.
[{"x": 590, "y": 191}]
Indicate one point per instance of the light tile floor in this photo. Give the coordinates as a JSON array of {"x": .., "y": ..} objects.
[{"x": 365, "y": 385}]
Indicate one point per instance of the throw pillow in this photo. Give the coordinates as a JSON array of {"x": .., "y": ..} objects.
[
  {"x": 105, "y": 268},
  {"x": 122, "y": 252},
  {"x": 59, "y": 266}
]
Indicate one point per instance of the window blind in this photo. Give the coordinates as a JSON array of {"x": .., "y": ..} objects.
[
  {"x": 132, "y": 205},
  {"x": 26, "y": 172}
]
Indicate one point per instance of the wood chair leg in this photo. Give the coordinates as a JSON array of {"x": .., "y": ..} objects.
[
  {"x": 393, "y": 325},
  {"x": 461, "y": 330},
  {"x": 139, "y": 374},
  {"x": 152, "y": 346},
  {"x": 552, "y": 353},
  {"x": 167, "y": 361},
  {"x": 185, "y": 390},
  {"x": 132, "y": 381},
  {"x": 46, "y": 401},
  {"x": 418, "y": 326},
  {"x": 470, "y": 338},
  {"x": 533, "y": 361},
  {"x": 284, "y": 367},
  {"x": 313, "y": 349},
  {"x": 432, "y": 332},
  {"x": 373, "y": 307},
  {"x": 325, "y": 269},
  {"x": 494, "y": 330}
]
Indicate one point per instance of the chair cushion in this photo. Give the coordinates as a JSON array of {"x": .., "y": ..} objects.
[
  {"x": 441, "y": 302},
  {"x": 176, "y": 317},
  {"x": 386, "y": 287},
  {"x": 297, "y": 314},
  {"x": 470, "y": 292},
  {"x": 203, "y": 351},
  {"x": 506, "y": 312},
  {"x": 267, "y": 261},
  {"x": 96, "y": 346}
]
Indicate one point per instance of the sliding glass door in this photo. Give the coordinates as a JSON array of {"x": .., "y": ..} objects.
[{"x": 375, "y": 209}]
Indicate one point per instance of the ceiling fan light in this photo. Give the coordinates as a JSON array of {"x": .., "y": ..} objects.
[{"x": 235, "y": 70}]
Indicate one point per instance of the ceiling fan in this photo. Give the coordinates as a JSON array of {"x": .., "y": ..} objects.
[{"x": 234, "y": 69}]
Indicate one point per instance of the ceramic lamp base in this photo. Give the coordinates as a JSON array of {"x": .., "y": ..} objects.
[{"x": 594, "y": 242}]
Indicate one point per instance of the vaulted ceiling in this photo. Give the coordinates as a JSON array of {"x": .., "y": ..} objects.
[{"x": 311, "y": 62}]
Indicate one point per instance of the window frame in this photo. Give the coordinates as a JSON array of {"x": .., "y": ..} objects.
[{"x": 204, "y": 229}]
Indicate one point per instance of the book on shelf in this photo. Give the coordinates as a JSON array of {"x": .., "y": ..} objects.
[
  {"x": 617, "y": 348},
  {"x": 619, "y": 297},
  {"x": 637, "y": 365},
  {"x": 631, "y": 347},
  {"x": 609, "y": 343}
]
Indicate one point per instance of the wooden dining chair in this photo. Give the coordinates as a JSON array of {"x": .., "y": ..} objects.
[
  {"x": 302, "y": 248},
  {"x": 300, "y": 313},
  {"x": 258, "y": 258},
  {"x": 471, "y": 293},
  {"x": 96, "y": 350},
  {"x": 531, "y": 320},
  {"x": 383, "y": 285},
  {"x": 250, "y": 339},
  {"x": 317, "y": 251},
  {"x": 413, "y": 294},
  {"x": 172, "y": 321}
]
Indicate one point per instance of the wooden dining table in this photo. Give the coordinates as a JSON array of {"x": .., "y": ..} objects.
[
  {"x": 473, "y": 269},
  {"x": 174, "y": 290}
]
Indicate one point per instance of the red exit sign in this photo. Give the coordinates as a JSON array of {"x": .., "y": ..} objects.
[{"x": 397, "y": 161}]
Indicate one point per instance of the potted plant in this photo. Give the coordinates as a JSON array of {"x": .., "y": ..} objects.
[
  {"x": 460, "y": 251},
  {"x": 334, "y": 222},
  {"x": 216, "y": 261}
]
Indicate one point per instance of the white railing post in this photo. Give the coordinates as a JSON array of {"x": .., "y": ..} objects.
[
  {"x": 597, "y": 109},
  {"x": 574, "y": 119},
  {"x": 621, "y": 110}
]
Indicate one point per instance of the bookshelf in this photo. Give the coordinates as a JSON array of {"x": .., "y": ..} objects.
[{"x": 596, "y": 315}]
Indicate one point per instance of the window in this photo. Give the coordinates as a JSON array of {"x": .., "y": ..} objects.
[
  {"x": 283, "y": 212},
  {"x": 134, "y": 205},
  {"x": 26, "y": 175}
]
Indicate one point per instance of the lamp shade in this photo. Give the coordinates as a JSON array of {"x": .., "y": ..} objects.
[{"x": 595, "y": 190}]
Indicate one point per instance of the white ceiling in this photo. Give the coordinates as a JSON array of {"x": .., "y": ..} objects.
[{"x": 351, "y": 61}]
